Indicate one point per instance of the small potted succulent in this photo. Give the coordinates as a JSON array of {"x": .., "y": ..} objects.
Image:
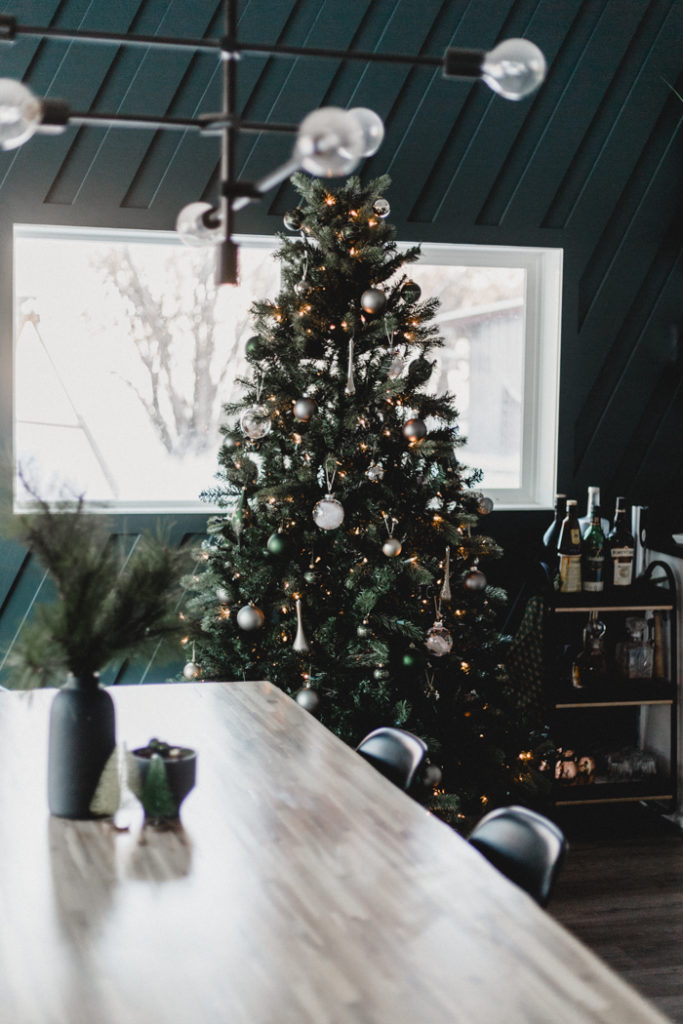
[
  {"x": 161, "y": 775},
  {"x": 111, "y": 602}
]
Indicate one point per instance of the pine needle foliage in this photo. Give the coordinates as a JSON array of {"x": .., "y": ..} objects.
[
  {"x": 112, "y": 601},
  {"x": 366, "y": 615}
]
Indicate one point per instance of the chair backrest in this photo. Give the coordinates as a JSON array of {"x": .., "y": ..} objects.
[
  {"x": 524, "y": 845},
  {"x": 395, "y": 753}
]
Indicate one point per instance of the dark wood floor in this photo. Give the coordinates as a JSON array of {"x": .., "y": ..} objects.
[{"x": 621, "y": 893}]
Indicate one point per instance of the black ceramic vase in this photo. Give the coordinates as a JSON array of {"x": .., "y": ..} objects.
[{"x": 82, "y": 739}]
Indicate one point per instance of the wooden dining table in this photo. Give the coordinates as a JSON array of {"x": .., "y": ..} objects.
[{"x": 300, "y": 887}]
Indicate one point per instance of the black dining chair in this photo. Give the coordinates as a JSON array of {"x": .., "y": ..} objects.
[
  {"x": 524, "y": 845},
  {"x": 395, "y": 753}
]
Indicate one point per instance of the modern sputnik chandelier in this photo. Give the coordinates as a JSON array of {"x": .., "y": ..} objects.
[{"x": 330, "y": 141}]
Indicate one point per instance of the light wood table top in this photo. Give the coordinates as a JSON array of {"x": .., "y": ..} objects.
[{"x": 303, "y": 889}]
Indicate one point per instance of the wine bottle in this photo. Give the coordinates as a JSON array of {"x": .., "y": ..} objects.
[
  {"x": 569, "y": 549},
  {"x": 593, "y": 555},
  {"x": 551, "y": 536},
  {"x": 585, "y": 521},
  {"x": 621, "y": 549}
]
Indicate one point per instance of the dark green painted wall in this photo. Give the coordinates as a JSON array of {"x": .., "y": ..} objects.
[{"x": 591, "y": 163}]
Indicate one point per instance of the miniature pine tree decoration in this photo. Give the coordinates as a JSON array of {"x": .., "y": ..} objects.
[{"x": 345, "y": 566}]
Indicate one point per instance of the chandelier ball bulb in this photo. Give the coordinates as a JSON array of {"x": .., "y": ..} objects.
[
  {"x": 330, "y": 142},
  {"x": 20, "y": 113},
  {"x": 372, "y": 127},
  {"x": 192, "y": 227},
  {"x": 514, "y": 68}
]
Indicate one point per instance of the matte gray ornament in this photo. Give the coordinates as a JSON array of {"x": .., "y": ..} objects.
[
  {"x": 415, "y": 429},
  {"x": 432, "y": 775},
  {"x": 249, "y": 617},
  {"x": 255, "y": 422},
  {"x": 308, "y": 699},
  {"x": 392, "y": 547},
  {"x": 304, "y": 409},
  {"x": 328, "y": 513},
  {"x": 475, "y": 579},
  {"x": 373, "y": 300}
]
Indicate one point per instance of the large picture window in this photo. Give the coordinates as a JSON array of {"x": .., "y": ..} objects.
[{"x": 125, "y": 355}]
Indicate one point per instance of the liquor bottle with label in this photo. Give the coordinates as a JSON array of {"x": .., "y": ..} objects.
[
  {"x": 569, "y": 549},
  {"x": 585, "y": 521},
  {"x": 551, "y": 537},
  {"x": 593, "y": 555},
  {"x": 589, "y": 667},
  {"x": 620, "y": 549}
]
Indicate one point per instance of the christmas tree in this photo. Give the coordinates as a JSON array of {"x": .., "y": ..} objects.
[{"x": 346, "y": 566}]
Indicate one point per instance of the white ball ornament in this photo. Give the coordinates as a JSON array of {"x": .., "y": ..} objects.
[
  {"x": 191, "y": 670},
  {"x": 304, "y": 409},
  {"x": 328, "y": 513},
  {"x": 249, "y": 617}
]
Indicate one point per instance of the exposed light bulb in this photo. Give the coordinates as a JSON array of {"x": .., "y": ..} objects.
[
  {"x": 372, "y": 126},
  {"x": 196, "y": 227},
  {"x": 514, "y": 68},
  {"x": 330, "y": 142},
  {"x": 20, "y": 113}
]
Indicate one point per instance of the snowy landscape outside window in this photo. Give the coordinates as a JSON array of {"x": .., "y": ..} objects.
[{"x": 124, "y": 357}]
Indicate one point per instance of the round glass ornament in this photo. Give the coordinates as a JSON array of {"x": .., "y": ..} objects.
[
  {"x": 381, "y": 207},
  {"x": 439, "y": 641},
  {"x": 328, "y": 513},
  {"x": 255, "y": 422}
]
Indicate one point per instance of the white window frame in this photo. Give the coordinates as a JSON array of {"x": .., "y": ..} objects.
[
  {"x": 542, "y": 332},
  {"x": 541, "y": 376}
]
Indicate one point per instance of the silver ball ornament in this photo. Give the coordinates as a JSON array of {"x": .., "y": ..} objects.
[
  {"x": 293, "y": 219},
  {"x": 375, "y": 472},
  {"x": 304, "y": 409},
  {"x": 392, "y": 547},
  {"x": 308, "y": 699},
  {"x": 249, "y": 617},
  {"x": 474, "y": 579},
  {"x": 381, "y": 208},
  {"x": 414, "y": 429},
  {"x": 191, "y": 670},
  {"x": 485, "y": 506},
  {"x": 373, "y": 300},
  {"x": 255, "y": 422},
  {"x": 432, "y": 775}
]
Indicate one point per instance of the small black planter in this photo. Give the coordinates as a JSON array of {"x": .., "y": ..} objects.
[
  {"x": 161, "y": 794},
  {"x": 82, "y": 739}
]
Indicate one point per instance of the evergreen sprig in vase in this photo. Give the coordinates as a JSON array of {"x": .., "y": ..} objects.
[{"x": 115, "y": 599}]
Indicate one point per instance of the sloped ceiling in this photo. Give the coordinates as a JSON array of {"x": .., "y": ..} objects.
[{"x": 590, "y": 163}]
